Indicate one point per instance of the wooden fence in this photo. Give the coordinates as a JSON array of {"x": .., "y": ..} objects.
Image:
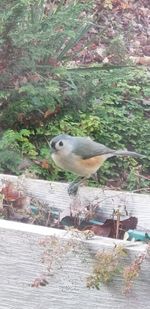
[{"x": 21, "y": 253}]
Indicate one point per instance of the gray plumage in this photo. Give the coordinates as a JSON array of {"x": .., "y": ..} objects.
[
  {"x": 72, "y": 154},
  {"x": 86, "y": 148}
]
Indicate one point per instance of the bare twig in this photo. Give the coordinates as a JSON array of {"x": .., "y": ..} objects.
[
  {"x": 141, "y": 176},
  {"x": 141, "y": 189},
  {"x": 47, "y": 221}
]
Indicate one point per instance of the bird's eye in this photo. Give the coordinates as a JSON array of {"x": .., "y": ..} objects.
[{"x": 60, "y": 143}]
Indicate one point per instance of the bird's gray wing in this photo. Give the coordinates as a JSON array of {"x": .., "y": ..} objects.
[{"x": 86, "y": 148}]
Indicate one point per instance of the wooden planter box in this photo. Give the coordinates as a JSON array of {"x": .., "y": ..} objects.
[{"x": 20, "y": 258}]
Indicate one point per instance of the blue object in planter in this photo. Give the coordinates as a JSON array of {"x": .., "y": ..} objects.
[
  {"x": 138, "y": 235},
  {"x": 34, "y": 209}
]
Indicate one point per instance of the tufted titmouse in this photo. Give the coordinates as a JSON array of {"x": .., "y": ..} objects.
[{"x": 81, "y": 155}]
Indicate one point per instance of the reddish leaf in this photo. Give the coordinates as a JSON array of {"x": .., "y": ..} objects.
[
  {"x": 124, "y": 226},
  {"x": 50, "y": 113},
  {"x": 45, "y": 164},
  {"x": 129, "y": 224},
  {"x": 15, "y": 197},
  {"x": 101, "y": 230},
  {"x": 10, "y": 193}
]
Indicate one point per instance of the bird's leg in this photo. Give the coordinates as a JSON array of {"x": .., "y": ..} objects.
[
  {"x": 94, "y": 176},
  {"x": 74, "y": 186}
]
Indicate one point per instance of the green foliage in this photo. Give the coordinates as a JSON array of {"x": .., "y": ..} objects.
[
  {"x": 116, "y": 118},
  {"x": 9, "y": 161},
  {"x": 108, "y": 103},
  {"x": 18, "y": 141},
  {"x": 107, "y": 265},
  {"x": 34, "y": 38},
  {"x": 13, "y": 146},
  {"x": 118, "y": 49}
]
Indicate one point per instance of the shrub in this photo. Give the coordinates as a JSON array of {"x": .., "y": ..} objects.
[{"x": 42, "y": 96}]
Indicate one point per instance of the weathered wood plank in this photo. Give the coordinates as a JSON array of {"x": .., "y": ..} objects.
[
  {"x": 20, "y": 259},
  {"x": 55, "y": 194},
  {"x": 20, "y": 265}
]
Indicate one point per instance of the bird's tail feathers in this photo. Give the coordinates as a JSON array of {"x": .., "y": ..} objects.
[{"x": 127, "y": 153}]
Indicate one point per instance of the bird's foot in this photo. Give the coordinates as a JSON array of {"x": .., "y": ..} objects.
[
  {"x": 94, "y": 177},
  {"x": 73, "y": 188}
]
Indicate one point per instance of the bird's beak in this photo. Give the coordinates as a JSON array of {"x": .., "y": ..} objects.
[{"x": 52, "y": 146}]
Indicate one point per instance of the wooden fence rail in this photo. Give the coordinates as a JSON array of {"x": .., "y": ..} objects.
[{"x": 21, "y": 253}]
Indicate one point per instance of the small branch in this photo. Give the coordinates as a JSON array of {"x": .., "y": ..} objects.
[
  {"x": 141, "y": 176},
  {"x": 48, "y": 219},
  {"x": 141, "y": 189}
]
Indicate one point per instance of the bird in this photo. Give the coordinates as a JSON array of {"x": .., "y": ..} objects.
[{"x": 82, "y": 156}]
